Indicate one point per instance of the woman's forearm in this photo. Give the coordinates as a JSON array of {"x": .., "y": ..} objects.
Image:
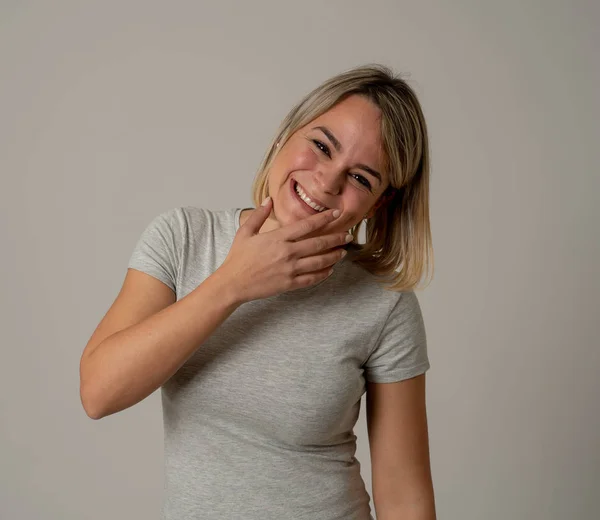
[{"x": 131, "y": 364}]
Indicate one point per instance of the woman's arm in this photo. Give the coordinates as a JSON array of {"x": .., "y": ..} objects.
[
  {"x": 145, "y": 337},
  {"x": 399, "y": 445}
]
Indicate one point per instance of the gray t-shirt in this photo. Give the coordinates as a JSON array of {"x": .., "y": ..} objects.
[{"x": 258, "y": 423}]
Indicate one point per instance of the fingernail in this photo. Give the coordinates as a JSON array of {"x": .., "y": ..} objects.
[
  {"x": 266, "y": 201},
  {"x": 344, "y": 253},
  {"x": 336, "y": 213},
  {"x": 349, "y": 238}
]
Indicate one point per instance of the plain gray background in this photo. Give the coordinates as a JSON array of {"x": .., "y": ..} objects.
[{"x": 112, "y": 112}]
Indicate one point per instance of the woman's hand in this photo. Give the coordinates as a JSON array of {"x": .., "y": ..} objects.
[{"x": 265, "y": 264}]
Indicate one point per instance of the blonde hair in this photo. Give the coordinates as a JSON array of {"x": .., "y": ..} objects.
[{"x": 398, "y": 244}]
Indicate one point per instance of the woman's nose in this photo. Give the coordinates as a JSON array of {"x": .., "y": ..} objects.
[{"x": 330, "y": 181}]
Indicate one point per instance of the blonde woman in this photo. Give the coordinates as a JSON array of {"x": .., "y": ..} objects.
[{"x": 263, "y": 327}]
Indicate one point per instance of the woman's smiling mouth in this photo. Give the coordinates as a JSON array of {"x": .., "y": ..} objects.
[{"x": 305, "y": 200}]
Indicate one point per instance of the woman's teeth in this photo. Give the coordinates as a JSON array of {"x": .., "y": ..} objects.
[{"x": 309, "y": 202}]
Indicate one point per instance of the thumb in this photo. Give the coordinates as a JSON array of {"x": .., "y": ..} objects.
[{"x": 259, "y": 216}]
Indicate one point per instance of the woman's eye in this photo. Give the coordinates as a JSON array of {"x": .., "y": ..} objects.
[
  {"x": 360, "y": 178},
  {"x": 323, "y": 147}
]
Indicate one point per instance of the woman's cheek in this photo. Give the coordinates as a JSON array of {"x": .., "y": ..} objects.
[{"x": 303, "y": 160}]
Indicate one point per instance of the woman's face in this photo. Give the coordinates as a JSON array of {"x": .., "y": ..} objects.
[{"x": 336, "y": 161}]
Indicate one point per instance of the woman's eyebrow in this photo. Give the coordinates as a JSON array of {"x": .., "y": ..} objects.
[
  {"x": 330, "y": 136},
  {"x": 337, "y": 145}
]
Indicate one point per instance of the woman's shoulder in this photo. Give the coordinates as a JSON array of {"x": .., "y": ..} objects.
[
  {"x": 182, "y": 226},
  {"x": 359, "y": 283},
  {"x": 375, "y": 286},
  {"x": 197, "y": 217}
]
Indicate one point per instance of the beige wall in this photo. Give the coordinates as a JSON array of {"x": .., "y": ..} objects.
[{"x": 114, "y": 111}]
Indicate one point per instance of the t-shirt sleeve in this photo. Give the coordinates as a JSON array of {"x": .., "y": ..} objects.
[
  {"x": 401, "y": 349},
  {"x": 157, "y": 251}
]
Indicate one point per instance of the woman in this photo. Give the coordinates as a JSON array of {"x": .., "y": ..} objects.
[{"x": 262, "y": 351}]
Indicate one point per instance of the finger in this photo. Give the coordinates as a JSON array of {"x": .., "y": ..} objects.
[
  {"x": 257, "y": 218},
  {"x": 318, "y": 263},
  {"x": 308, "y": 225},
  {"x": 315, "y": 245},
  {"x": 313, "y": 277}
]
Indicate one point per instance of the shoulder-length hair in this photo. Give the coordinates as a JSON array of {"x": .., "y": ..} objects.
[{"x": 398, "y": 244}]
